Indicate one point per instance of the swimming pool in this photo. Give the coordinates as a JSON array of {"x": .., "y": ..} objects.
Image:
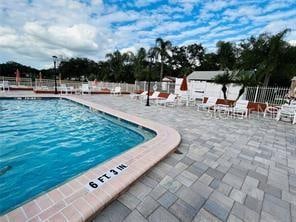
[{"x": 47, "y": 142}]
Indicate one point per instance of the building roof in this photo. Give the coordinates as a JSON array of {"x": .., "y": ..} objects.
[
  {"x": 204, "y": 75},
  {"x": 169, "y": 79}
]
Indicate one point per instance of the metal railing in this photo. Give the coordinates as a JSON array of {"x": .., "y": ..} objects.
[
  {"x": 167, "y": 87},
  {"x": 49, "y": 84},
  {"x": 271, "y": 95},
  {"x": 24, "y": 82}
]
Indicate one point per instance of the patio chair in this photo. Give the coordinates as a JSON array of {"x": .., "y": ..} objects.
[
  {"x": 4, "y": 85},
  {"x": 170, "y": 101},
  {"x": 85, "y": 89},
  {"x": 138, "y": 96},
  {"x": 271, "y": 110},
  {"x": 287, "y": 111},
  {"x": 153, "y": 97},
  {"x": 211, "y": 102},
  {"x": 63, "y": 88},
  {"x": 116, "y": 91},
  {"x": 240, "y": 108}
]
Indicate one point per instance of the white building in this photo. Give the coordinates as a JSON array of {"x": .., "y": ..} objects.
[{"x": 201, "y": 85}]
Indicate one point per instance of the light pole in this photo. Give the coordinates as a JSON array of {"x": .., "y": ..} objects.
[
  {"x": 149, "y": 77},
  {"x": 55, "y": 73}
]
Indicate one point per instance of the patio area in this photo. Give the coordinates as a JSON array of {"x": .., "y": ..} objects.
[{"x": 229, "y": 169}]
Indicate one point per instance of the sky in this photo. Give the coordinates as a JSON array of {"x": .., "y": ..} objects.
[{"x": 32, "y": 31}]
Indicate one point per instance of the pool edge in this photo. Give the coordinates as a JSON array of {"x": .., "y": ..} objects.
[{"x": 72, "y": 201}]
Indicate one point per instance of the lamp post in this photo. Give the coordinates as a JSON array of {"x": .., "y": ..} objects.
[
  {"x": 149, "y": 78},
  {"x": 55, "y": 73}
]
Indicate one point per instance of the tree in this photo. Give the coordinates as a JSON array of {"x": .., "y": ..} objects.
[
  {"x": 178, "y": 62},
  {"x": 226, "y": 55},
  {"x": 118, "y": 63},
  {"x": 78, "y": 67},
  {"x": 140, "y": 64},
  {"x": 272, "y": 57},
  {"x": 9, "y": 68},
  {"x": 161, "y": 50},
  {"x": 209, "y": 62},
  {"x": 244, "y": 79},
  {"x": 195, "y": 55},
  {"x": 224, "y": 79}
]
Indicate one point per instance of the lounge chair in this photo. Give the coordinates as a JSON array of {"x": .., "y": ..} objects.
[
  {"x": 138, "y": 96},
  {"x": 85, "y": 89},
  {"x": 170, "y": 101},
  {"x": 153, "y": 97},
  {"x": 240, "y": 108},
  {"x": 116, "y": 91},
  {"x": 211, "y": 102},
  {"x": 287, "y": 111}
]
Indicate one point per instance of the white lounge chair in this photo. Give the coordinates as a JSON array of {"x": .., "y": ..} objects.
[
  {"x": 138, "y": 96},
  {"x": 170, "y": 101},
  {"x": 116, "y": 91},
  {"x": 240, "y": 108},
  {"x": 211, "y": 102},
  {"x": 287, "y": 111},
  {"x": 85, "y": 89},
  {"x": 153, "y": 97}
]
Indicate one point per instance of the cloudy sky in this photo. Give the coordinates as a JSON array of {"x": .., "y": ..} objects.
[{"x": 31, "y": 31}]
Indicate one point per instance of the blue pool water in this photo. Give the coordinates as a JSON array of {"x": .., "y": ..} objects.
[{"x": 44, "y": 143}]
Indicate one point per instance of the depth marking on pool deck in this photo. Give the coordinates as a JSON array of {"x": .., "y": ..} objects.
[{"x": 107, "y": 176}]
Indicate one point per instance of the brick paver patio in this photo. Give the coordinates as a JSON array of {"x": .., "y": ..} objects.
[{"x": 230, "y": 170}]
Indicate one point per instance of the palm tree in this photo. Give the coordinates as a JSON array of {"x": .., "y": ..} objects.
[
  {"x": 224, "y": 79},
  {"x": 245, "y": 79},
  {"x": 161, "y": 50},
  {"x": 277, "y": 48},
  {"x": 140, "y": 63},
  {"x": 117, "y": 62}
]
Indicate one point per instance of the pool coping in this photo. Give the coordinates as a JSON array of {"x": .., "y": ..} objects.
[{"x": 73, "y": 201}]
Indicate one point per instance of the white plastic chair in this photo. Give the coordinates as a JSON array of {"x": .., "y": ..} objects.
[
  {"x": 4, "y": 85},
  {"x": 85, "y": 89},
  {"x": 63, "y": 88},
  {"x": 116, "y": 91},
  {"x": 271, "y": 111},
  {"x": 211, "y": 102},
  {"x": 287, "y": 111}
]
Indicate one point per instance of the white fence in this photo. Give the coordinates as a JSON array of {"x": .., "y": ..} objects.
[
  {"x": 271, "y": 95},
  {"x": 197, "y": 89},
  {"x": 48, "y": 84},
  {"x": 24, "y": 82},
  {"x": 200, "y": 89}
]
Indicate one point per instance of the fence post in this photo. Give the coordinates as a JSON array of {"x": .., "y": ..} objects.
[
  {"x": 256, "y": 94},
  {"x": 144, "y": 85}
]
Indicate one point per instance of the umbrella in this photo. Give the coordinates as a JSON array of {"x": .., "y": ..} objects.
[
  {"x": 17, "y": 77},
  {"x": 184, "y": 86}
]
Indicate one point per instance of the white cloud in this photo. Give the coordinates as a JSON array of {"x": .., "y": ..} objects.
[{"x": 34, "y": 31}]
